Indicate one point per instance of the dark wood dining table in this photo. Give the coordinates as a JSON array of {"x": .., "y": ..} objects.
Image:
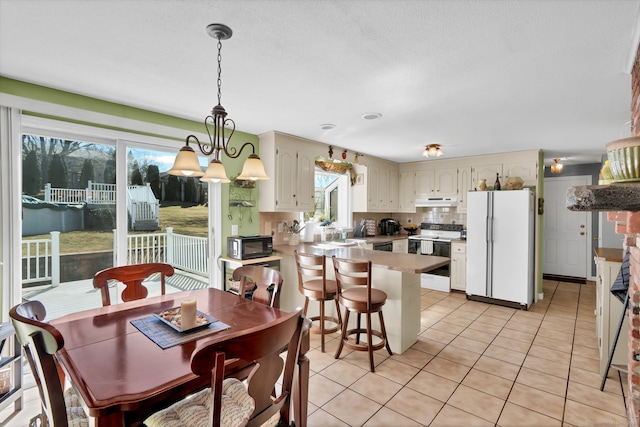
[{"x": 123, "y": 376}]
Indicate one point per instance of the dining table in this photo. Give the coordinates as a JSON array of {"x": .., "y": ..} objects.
[{"x": 123, "y": 376}]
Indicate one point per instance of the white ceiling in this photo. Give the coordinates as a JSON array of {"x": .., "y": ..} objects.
[{"x": 478, "y": 77}]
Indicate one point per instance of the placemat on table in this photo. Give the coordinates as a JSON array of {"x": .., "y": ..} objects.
[{"x": 165, "y": 336}]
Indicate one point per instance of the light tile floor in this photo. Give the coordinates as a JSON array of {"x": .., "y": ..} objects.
[{"x": 474, "y": 364}]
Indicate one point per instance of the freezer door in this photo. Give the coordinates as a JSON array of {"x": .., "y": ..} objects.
[
  {"x": 513, "y": 246},
  {"x": 477, "y": 242}
]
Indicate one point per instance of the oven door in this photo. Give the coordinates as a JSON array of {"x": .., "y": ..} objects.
[{"x": 437, "y": 248}]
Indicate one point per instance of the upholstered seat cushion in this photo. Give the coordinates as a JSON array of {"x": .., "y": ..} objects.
[
  {"x": 355, "y": 297},
  {"x": 237, "y": 407},
  {"x": 75, "y": 413}
]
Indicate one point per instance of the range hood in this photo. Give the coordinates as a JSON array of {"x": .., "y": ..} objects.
[{"x": 436, "y": 202}]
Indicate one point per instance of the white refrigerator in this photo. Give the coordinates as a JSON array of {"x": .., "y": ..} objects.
[{"x": 500, "y": 247}]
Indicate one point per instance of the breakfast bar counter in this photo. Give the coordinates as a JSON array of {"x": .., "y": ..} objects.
[{"x": 397, "y": 274}]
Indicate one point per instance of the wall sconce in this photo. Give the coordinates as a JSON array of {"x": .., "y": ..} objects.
[
  {"x": 432, "y": 150},
  {"x": 186, "y": 163},
  {"x": 556, "y": 167}
]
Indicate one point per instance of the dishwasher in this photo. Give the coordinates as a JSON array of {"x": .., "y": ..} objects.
[{"x": 383, "y": 246}]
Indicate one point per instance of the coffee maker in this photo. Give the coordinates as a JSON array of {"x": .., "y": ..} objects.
[{"x": 389, "y": 227}]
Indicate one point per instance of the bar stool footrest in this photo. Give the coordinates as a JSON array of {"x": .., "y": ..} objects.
[
  {"x": 315, "y": 328},
  {"x": 364, "y": 347}
]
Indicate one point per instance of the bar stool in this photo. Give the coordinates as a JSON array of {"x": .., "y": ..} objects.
[
  {"x": 359, "y": 297},
  {"x": 313, "y": 284}
]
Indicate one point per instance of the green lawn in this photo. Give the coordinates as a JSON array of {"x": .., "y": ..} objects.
[{"x": 191, "y": 221}]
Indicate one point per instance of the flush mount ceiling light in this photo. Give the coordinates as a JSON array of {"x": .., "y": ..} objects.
[
  {"x": 328, "y": 126},
  {"x": 556, "y": 167},
  {"x": 186, "y": 163},
  {"x": 432, "y": 150},
  {"x": 371, "y": 116}
]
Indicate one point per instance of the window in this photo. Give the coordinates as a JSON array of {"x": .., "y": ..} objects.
[{"x": 333, "y": 199}]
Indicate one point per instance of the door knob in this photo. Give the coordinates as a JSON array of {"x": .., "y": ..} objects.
[{"x": 582, "y": 233}]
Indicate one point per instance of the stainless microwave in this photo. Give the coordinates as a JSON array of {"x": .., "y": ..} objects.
[{"x": 249, "y": 247}]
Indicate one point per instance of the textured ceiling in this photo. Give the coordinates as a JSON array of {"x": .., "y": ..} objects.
[{"x": 477, "y": 77}]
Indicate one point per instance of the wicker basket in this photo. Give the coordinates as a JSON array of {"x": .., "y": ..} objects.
[{"x": 329, "y": 165}]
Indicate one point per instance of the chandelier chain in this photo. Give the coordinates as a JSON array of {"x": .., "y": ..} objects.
[{"x": 219, "y": 69}]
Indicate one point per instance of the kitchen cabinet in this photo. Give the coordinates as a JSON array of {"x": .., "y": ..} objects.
[
  {"x": 378, "y": 190},
  {"x": 394, "y": 199},
  {"x": 436, "y": 182},
  {"x": 290, "y": 162},
  {"x": 609, "y": 309},
  {"x": 465, "y": 184},
  {"x": 406, "y": 193},
  {"x": 401, "y": 246},
  {"x": 459, "y": 265},
  {"x": 528, "y": 171},
  {"x": 488, "y": 172}
]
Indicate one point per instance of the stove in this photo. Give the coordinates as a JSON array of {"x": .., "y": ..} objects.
[{"x": 441, "y": 232}]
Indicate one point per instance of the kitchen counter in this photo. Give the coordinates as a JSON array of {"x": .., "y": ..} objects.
[
  {"x": 406, "y": 263},
  {"x": 397, "y": 274},
  {"x": 610, "y": 254}
]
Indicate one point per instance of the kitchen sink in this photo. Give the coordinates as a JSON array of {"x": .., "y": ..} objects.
[{"x": 340, "y": 244}]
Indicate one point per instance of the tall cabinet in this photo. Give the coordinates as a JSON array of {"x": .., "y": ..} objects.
[{"x": 290, "y": 162}]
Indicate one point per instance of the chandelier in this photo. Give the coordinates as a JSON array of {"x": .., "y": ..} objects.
[
  {"x": 432, "y": 150},
  {"x": 186, "y": 163},
  {"x": 556, "y": 167}
]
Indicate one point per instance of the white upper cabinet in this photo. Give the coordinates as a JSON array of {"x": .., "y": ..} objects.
[
  {"x": 441, "y": 182},
  {"x": 290, "y": 163},
  {"x": 528, "y": 171},
  {"x": 406, "y": 193},
  {"x": 376, "y": 189},
  {"x": 465, "y": 184},
  {"x": 488, "y": 172}
]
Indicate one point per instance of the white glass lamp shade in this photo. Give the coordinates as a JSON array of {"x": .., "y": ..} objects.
[
  {"x": 215, "y": 173},
  {"x": 432, "y": 150},
  {"x": 253, "y": 169},
  {"x": 186, "y": 163}
]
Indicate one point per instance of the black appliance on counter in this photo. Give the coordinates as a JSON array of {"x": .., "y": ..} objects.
[
  {"x": 249, "y": 247},
  {"x": 389, "y": 227}
]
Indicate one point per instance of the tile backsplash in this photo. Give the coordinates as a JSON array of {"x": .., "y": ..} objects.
[{"x": 269, "y": 221}]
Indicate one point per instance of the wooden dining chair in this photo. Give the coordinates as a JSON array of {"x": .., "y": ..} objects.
[
  {"x": 356, "y": 295},
  {"x": 313, "y": 285},
  {"x": 132, "y": 277},
  {"x": 40, "y": 341},
  {"x": 265, "y": 282},
  {"x": 228, "y": 402}
]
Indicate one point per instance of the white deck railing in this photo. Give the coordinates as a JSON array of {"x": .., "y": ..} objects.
[
  {"x": 42, "y": 259},
  {"x": 186, "y": 253},
  {"x": 141, "y": 202}
]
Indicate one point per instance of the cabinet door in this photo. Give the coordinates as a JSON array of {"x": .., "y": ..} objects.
[
  {"x": 528, "y": 171},
  {"x": 489, "y": 173},
  {"x": 305, "y": 195},
  {"x": 394, "y": 202},
  {"x": 407, "y": 197},
  {"x": 373, "y": 190},
  {"x": 384, "y": 196},
  {"x": 286, "y": 170},
  {"x": 446, "y": 182},
  {"x": 465, "y": 184},
  {"x": 459, "y": 272},
  {"x": 424, "y": 183},
  {"x": 400, "y": 246},
  {"x": 459, "y": 266}
]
